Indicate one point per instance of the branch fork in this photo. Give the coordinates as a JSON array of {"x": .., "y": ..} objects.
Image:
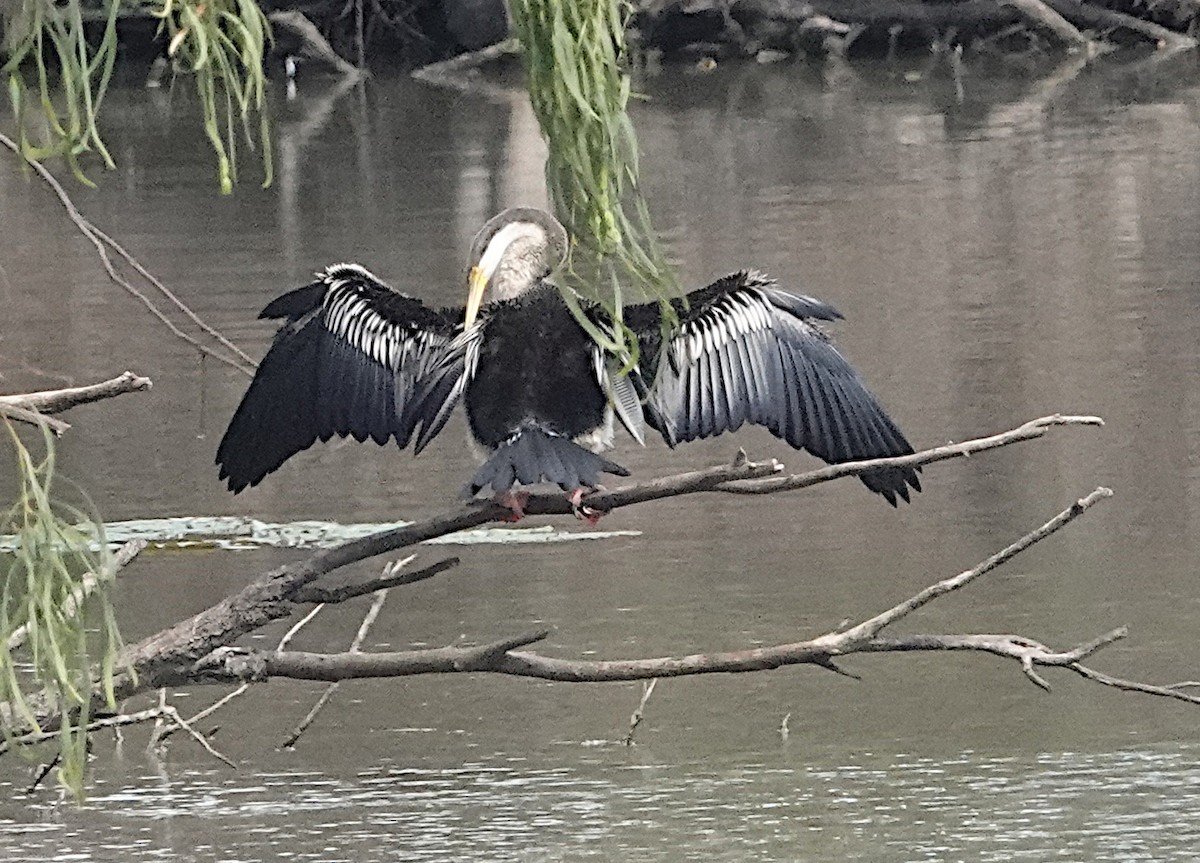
[{"x": 199, "y": 650}]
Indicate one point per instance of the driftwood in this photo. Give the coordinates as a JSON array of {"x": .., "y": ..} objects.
[
  {"x": 770, "y": 30},
  {"x": 746, "y": 27},
  {"x": 310, "y": 44}
]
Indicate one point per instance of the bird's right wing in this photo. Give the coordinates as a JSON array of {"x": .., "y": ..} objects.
[{"x": 351, "y": 358}]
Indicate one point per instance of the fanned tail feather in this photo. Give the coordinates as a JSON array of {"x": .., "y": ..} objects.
[{"x": 535, "y": 455}]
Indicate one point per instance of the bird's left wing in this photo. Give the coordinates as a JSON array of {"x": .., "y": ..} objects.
[
  {"x": 351, "y": 358},
  {"x": 743, "y": 350}
]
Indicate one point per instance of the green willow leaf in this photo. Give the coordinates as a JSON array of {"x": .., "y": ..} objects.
[
  {"x": 574, "y": 56},
  {"x": 65, "y": 655},
  {"x": 220, "y": 42}
]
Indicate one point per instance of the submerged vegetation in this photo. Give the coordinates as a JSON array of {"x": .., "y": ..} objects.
[{"x": 47, "y": 643}]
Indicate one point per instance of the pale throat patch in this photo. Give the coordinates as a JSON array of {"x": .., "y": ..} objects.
[{"x": 518, "y": 272}]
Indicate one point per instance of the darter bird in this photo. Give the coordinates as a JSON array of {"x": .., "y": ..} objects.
[{"x": 355, "y": 357}]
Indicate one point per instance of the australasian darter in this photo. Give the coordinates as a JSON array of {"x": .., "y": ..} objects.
[{"x": 355, "y": 357}]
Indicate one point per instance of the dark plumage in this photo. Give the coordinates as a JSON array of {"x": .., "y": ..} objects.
[
  {"x": 347, "y": 360},
  {"x": 354, "y": 357}
]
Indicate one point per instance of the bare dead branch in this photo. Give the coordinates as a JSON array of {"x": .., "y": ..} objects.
[
  {"x": 868, "y": 629},
  {"x": 173, "y": 656},
  {"x": 1029, "y": 431},
  {"x": 501, "y": 658},
  {"x": 462, "y": 72},
  {"x": 33, "y": 418},
  {"x": 1092, "y": 15},
  {"x": 169, "y": 653},
  {"x": 360, "y": 636},
  {"x": 1046, "y": 18},
  {"x": 639, "y": 712},
  {"x": 390, "y": 578},
  {"x": 57, "y": 401},
  {"x": 172, "y": 651},
  {"x": 101, "y": 240},
  {"x": 313, "y": 45},
  {"x": 1036, "y": 654},
  {"x": 223, "y": 666}
]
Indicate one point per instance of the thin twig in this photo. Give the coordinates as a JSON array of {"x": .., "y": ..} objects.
[
  {"x": 218, "y": 704},
  {"x": 99, "y": 239},
  {"x": 636, "y": 718},
  {"x": 847, "y": 638},
  {"x": 196, "y": 735},
  {"x": 363, "y": 629},
  {"x": 33, "y": 418},
  {"x": 1174, "y": 690},
  {"x": 389, "y": 578},
  {"x": 1029, "y": 431},
  {"x": 299, "y": 625}
]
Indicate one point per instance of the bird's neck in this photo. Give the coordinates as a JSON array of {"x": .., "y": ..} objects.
[{"x": 514, "y": 278}]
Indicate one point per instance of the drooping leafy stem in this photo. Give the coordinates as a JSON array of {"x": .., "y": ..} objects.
[
  {"x": 38, "y": 32},
  {"x": 579, "y": 86},
  {"x": 47, "y": 643},
  {"x": 57, "y": 79},
  {"x": 222, "y": 42}
]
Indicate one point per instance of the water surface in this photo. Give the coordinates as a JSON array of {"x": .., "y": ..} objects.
[{"x": 1026, "y": 251}]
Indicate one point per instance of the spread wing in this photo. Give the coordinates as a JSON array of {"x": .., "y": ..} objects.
[
  {"x": 350, "y": 359},
  {"x": 745, "y": 351}
]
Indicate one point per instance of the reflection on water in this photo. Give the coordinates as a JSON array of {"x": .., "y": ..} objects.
[{"x": 1026, "y": 250}]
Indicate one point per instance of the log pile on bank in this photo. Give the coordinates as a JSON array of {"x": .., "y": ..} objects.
[
  {"x": 774, "y": 29},
  {"x": 413, "y": 33}
]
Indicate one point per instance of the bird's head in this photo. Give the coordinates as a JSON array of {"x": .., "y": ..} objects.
[{"x": 511, "y": 253}]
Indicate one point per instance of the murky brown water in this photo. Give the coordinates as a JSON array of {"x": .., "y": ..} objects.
[{"x": 1028, "y": 251}]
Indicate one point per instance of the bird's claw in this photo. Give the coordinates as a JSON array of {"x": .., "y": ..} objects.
[
  {"x": 514, "y": 501},
  {"x": 583, "y": 513}
]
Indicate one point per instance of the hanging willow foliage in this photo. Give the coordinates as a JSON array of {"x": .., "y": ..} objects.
[
  {"x": 220, "y": 42},
  {"x": 574, "y": 56},
  {"x": 45, "y": 644},
  {"x": 40, "y": 31}
]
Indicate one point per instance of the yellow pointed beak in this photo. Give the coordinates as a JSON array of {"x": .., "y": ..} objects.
[{"x": 477, "y": 284}]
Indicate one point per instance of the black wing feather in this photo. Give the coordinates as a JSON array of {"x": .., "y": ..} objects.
[
  {"x": 350, "y": 360},
  {"x": 744, "y": 350}
]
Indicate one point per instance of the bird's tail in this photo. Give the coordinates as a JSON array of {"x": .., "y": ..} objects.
[{"x": 534, "y": 455}]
